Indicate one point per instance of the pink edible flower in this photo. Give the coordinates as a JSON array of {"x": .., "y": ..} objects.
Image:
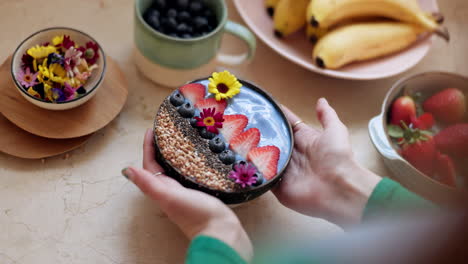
[
  {"x": 210, "y": 119},
  {"x": 244, "y": 174},
  {"x": 27, "y": 78}
]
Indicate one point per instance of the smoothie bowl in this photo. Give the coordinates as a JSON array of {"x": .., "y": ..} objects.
[
  {"x": 422, "y": 134},
  {"x": 58, "y": 68},
  {"x": 223, "y": 136}
]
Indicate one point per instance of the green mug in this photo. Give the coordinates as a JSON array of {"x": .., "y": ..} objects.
[{"x": 168, "y": 53}]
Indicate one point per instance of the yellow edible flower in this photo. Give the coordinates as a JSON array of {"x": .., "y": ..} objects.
[
  {"x": 57, "y": 40},
  {"x": 224, "y": 85},
  {"x": 58, "y": 70},
  {"x": 49, "y": 73},
  {"x": 32, "y": 92},
  {"x": 48, "y": 92},
  {"x": 40, "y": 52}
]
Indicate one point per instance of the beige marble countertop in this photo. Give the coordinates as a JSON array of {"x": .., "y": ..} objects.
[{"x": 78, "y": 209}]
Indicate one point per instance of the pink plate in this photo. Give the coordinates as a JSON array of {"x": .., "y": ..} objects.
[{"x": 297, "y": 49}]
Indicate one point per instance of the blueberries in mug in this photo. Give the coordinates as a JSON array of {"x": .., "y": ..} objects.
[
  {"x": 181, "y": 18},
  {"x": 172, "y": 13},
  {"x": 159, "y": 4},
  {"x": 196, "y": 6},
  {"x": 182, "y": 4},
  {"x": 182, "y": 28},
  {"x": 172, "y": 23},
  {"x": 200, "y": 23}
]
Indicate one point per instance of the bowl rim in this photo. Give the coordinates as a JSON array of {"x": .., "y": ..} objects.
[
  {"x": 279, "y": 175},
  {"x": 20, "y": 87},
  {"x": 398, "y": 85}
]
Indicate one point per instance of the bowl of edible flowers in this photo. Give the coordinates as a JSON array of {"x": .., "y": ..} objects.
[{"x": 58, "y": 68}]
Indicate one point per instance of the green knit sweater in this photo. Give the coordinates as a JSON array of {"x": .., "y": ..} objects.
[{"x": 387, "y": 196}]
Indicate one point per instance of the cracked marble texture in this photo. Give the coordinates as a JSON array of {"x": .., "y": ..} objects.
[{"x": 76, "y": 208}]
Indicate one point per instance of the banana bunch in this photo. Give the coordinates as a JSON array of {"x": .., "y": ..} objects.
[{"x": 346, "y": 31}]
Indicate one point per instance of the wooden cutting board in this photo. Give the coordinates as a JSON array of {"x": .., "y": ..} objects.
[{"x": 77, "y": 122}]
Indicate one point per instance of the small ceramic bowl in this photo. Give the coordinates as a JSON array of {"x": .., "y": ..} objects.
[
  {"x": 426, "y": 83},
  {"x": 46, "y": 35}
]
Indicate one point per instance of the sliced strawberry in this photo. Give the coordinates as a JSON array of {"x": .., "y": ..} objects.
[
  {"x": 245, "y": 141},
  {"x": 444, "y": 170},
  {"x": 233, "y": 126},
  {"x": 266, "y": 160},
  {"x": 219, "y": 106},
  {"x": 194, "y": 92}
]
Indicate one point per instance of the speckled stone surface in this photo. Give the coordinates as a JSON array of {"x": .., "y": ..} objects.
[{"x": 78, "y": 209}]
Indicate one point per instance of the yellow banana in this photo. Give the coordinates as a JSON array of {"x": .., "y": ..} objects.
[
  {"x": 289, "y": 16},
  {"x": 363, "y": 41},
  {"x": 327, "y": 13},
  {"x": 270, "y": 6},
  {"x": 314, "y": 34}
]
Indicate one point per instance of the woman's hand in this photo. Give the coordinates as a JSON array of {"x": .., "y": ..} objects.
[
  {"x": 323, "y": 179},
  {"x": 195, "y": 213}
]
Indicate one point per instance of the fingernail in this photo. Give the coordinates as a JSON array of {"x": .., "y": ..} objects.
[
  {"x": 149, "y": 134},
  {"x": 128, "y": 173},
  {"x": 323, "y": 100}
]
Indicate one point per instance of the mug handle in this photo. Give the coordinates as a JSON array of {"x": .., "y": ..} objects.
[{"x": 244, "y": 34}]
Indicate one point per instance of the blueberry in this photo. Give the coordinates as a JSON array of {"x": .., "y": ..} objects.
[
  {"x": 196, "y": 7},
  {"x": 193, "y": 122},
  {"x": 200, "y": 23},
  {"x": 182, "y": 28},
  {"x": 217, "y": 145},
  {"x": 260, "y": 179},
  {"x": 172, "y": 23},
  {"x": 159, "y": 4},
  {"x": 189, "y": 29},
  {"x": 174, "y": 35},
  {"x": 206, "y": 134},
  {"x": 186, "y": 110},
  {"x": 177, "y": 99},
  {"x": 151, "y": 12},
  {"x": 240, "y": 162},
  {"x": 183, "y": 16},
  {"x": 227, "y": 157},
  {"x": 182, "y": 4},
  {"x": 172, "y": 13},
  {"x": 186, "y": 36},
  {"x": 153, "y": 21}
]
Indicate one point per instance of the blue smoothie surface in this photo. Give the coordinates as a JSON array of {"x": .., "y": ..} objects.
[{"x": 262, "y": 114}]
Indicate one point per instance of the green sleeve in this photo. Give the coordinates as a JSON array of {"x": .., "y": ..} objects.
[
  {"x": 209, "y": 250},
  {"x": 389, "y": 196}
]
